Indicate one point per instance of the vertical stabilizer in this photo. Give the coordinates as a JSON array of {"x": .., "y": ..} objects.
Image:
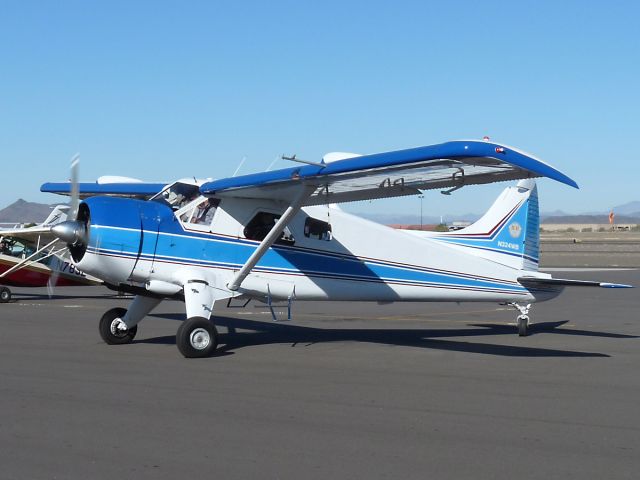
[
  {"x": 509, "y": 233},
  {"x": 57, "y": 215}
]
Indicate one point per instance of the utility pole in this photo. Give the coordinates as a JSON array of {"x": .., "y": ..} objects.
[{"x": 421, "y": 197}]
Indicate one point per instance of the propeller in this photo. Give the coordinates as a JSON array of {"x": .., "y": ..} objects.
[
  {"x": 58, "y": 262},
  {"x": 73, "y": 231},
  {"x": 75, "y": 188},
  {"x": 52, "y": 282}
]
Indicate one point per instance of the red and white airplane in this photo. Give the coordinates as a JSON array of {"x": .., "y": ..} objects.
[{"x": 28, "y": 260}]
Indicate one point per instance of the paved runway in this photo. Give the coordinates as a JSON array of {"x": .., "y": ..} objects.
[{"x": 344, "y": 391}]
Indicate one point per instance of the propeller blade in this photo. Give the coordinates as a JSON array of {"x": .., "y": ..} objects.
[
  {"x": 56, "y": 267},
  {"x": 75, "y": 189},
  {"x": 53, "y": 281}
]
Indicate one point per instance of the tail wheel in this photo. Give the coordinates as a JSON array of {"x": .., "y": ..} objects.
[
  {"x": 523, "y": 325},
  {"x": 111, "y": 330},
  {"x": 197, "y": 337},
  {"x": 5, "y": 295}
]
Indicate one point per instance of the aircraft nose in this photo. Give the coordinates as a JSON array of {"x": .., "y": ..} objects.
[{"x": 71, "y": 232}]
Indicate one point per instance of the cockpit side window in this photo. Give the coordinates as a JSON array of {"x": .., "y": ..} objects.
[
  {"x": 201, "y": 213},
  {"x": 16, "y": 248},
  {"x": 262, "y": 223},
  {"x": 314, "y": 228}
]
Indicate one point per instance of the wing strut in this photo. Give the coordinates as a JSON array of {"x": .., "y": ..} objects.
[{"x": 271, "y": 237}]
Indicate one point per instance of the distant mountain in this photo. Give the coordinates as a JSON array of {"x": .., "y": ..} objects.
[
  {"x": 559, "y": 213},
  {"x": 413, "y": 219},
  {"x": 556, "y": 216},
  {"x": 631, "y": 208},
  {"x": 22, "y": 211}
]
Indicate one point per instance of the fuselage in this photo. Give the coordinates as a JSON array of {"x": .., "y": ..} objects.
[
  {"x": 37, "y": 274},
  {"x": 327, "y": 254}
]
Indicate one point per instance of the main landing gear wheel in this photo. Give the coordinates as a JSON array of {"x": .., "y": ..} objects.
[
  {"x": 111, "y": 328},
  {"x": 197, "y": 337},
  {"x": 523, "y": 325},
  {"x": 5, "y": 295}
]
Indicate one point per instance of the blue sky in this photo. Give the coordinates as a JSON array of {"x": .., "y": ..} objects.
[{"x": 168, "y": 89}]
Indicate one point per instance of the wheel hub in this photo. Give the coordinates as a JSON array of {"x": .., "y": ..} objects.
[
  {"x": 200, "y": 339},
  {"x": 118, "y": 328}
]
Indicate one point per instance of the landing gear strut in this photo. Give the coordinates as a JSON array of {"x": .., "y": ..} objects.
[
  {"x": 5, "y": 295},
  {"x": 523, "y": 318}
]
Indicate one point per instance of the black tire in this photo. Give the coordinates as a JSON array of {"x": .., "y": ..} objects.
[
  {"x": 108, "y": 328},
  {"x": 197, "y": 337},
  {"x": 5, "y": 295},
  {"x": 523, "y": 326}
]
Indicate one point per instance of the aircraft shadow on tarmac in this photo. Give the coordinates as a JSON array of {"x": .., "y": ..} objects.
[{"x": 264, "y": 333}]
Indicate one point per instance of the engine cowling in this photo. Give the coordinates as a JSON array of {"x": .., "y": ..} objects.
[{"x": 120, "y": 234}]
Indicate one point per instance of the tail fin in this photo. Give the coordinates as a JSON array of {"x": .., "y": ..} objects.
[
  {"x": 57, "y": 215},
  {"x": 509, "y": 233}
]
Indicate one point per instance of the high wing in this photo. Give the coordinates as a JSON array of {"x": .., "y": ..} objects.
[
  {"x": 449, "y": 165},
  {"x": 142, "y": 190}
]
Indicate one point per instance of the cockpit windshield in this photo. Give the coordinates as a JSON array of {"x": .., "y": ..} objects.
[{"x": 177, "y": 195}]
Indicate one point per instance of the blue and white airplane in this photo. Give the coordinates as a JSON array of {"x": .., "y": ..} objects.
[{"x": 280, "y": 235}]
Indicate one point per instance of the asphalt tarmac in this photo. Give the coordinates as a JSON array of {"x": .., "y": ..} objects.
[{"x": 345, "y": 390}]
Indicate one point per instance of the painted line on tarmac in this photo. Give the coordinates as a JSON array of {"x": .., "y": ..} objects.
[{"x": 587, "y": 269}]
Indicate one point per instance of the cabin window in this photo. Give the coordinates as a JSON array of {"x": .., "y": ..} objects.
[
  {"x": 314, "y": 228},
  {"x": 201, "y": 213},
  {"x": 262, "y": 223}
]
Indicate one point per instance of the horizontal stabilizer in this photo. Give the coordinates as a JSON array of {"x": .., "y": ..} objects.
[{"x": 535, "y": 281}]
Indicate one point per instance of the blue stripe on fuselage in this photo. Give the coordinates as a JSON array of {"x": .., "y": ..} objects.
[{"x": 212, "y": 250}]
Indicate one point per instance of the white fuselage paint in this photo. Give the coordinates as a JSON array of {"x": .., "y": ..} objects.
[{"x": 356, "y": 240}]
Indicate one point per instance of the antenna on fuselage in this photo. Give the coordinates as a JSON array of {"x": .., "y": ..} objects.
[
  {"x": 272, "y": 163},
  {"x": 239, "y": 166}
]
